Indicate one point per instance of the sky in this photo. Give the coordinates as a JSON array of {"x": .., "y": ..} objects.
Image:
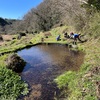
[{"x": 16, "y": 9}]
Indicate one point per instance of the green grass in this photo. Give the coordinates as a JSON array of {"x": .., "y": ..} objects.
[{"x": 11, "y": 85}]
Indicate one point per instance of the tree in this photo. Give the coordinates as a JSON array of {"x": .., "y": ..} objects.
[{"x": 52, "y": 12}]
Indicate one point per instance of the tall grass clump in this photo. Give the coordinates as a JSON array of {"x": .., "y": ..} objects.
[{"x": 11, "y": 85}]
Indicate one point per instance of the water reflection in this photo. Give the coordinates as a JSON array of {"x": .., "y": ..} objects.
[{"x": 44, "y": 63}]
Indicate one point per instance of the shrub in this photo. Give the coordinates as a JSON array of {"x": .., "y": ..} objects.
[
  {"x": 22, "y": 34},
  {"x": 11, "y": 85}
]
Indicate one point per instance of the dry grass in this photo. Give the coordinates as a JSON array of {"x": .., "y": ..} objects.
[{"x": 6, "y": 38}]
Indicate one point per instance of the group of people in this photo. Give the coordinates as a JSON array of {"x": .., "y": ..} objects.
[{"x": 72, "y": 35}]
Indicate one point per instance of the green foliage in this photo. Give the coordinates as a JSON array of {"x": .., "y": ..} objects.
[{"x": 11, "y": 85}]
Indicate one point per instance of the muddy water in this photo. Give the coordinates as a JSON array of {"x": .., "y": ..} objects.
[{"x": 44, "y": 64}]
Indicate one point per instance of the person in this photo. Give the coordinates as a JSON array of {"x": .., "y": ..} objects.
[
  {"x": 58, "y": 38},
  {"x": 42, "y": 39},
  {"x": 65, "y": 35},
  {"x": 75, "y": 36}
]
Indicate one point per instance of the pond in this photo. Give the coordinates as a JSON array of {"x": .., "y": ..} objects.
[{"x": 44, "y": 64}]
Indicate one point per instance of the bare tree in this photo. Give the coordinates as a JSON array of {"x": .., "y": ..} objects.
[{"x": 50, "y": 13}]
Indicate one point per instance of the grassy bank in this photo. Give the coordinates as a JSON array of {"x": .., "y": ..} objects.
[
  {"x": 14, "y": 45},
  {"x": 82, "y": 85}
]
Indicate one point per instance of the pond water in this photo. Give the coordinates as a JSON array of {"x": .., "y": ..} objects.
[{"x": 44, "y": 64}]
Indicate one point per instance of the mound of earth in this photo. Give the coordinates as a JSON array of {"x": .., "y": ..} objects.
[{"x": 15, "y": 63}]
